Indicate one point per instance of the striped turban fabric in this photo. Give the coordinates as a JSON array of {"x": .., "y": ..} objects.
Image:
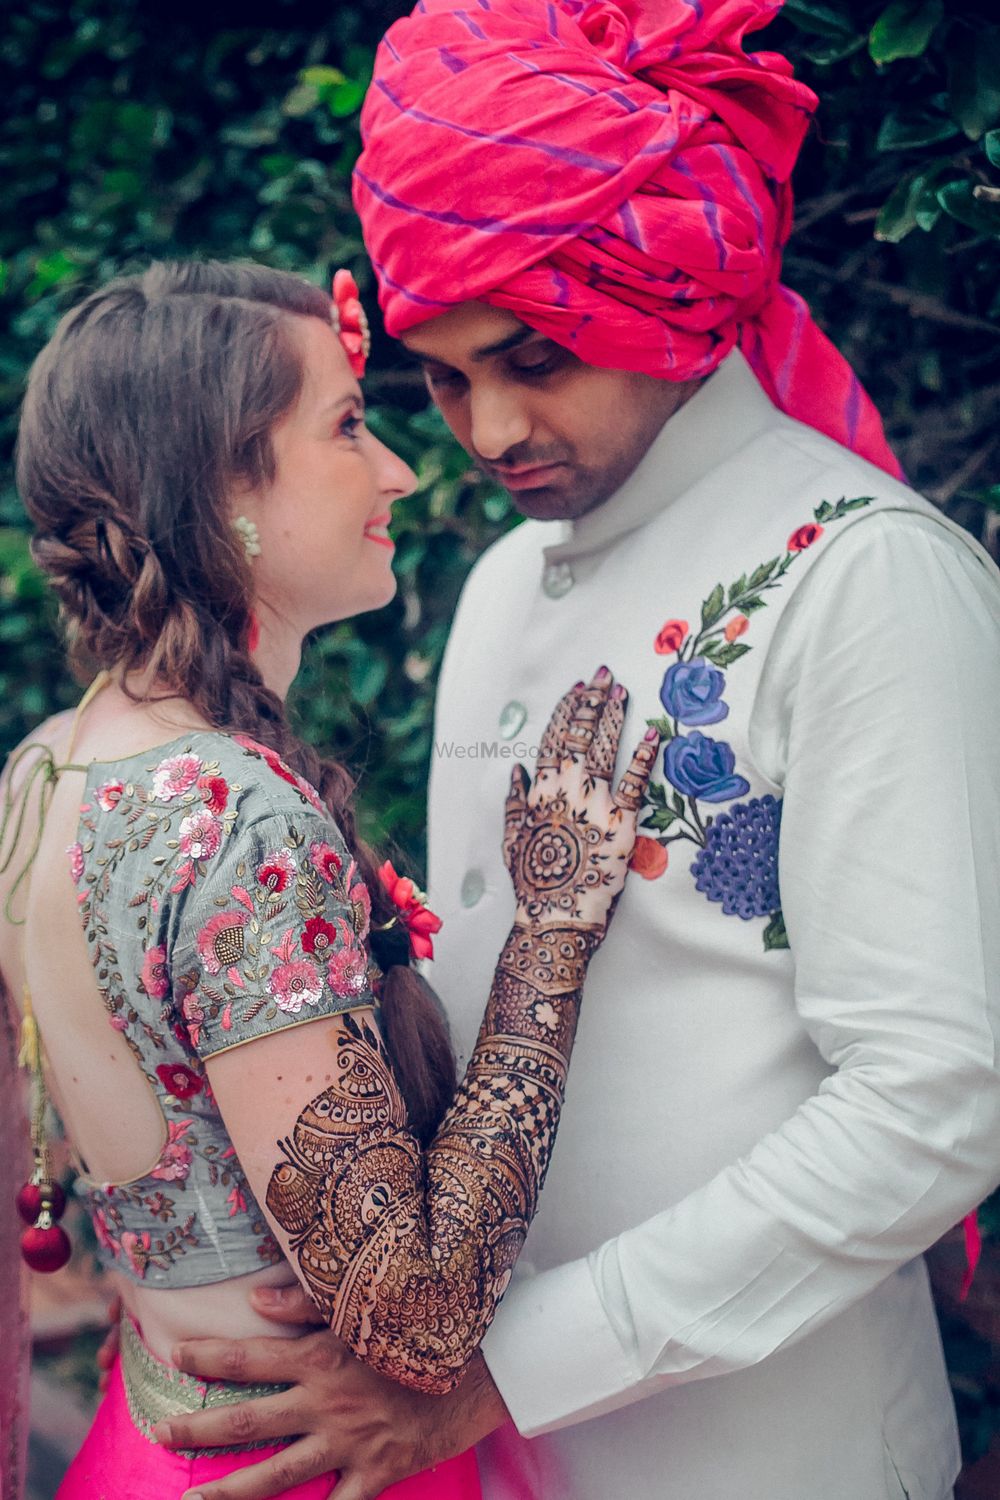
[{"x": 614, "y": 174}]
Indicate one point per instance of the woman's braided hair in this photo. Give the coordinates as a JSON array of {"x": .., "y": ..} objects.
[{"x": 155, "y": 398}]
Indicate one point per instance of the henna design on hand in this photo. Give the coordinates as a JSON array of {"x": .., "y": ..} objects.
[{"x": 408, "y": 1254}]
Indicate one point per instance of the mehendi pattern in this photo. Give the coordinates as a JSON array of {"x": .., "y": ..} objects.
[
  {"x": 737, "y": 860},
  {"x": 408, "y": 1254}
]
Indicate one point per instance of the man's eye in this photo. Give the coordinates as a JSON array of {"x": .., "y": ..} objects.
[
  {"x": 538, "y": 367},
  {"x": 446, "y": 380}
]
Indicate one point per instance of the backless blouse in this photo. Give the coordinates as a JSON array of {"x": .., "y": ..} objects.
[{"x": 220, "y": 904}]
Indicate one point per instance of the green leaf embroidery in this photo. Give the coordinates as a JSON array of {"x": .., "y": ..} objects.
[
  {"x": 763, "y": 573},
  {"x": 775, "y": 935},
  {"x": 663, "y": 727},
  {"x": 656, "y": 793},
  {"x": 660, "y": 820},
  {"x": 713, "y": 606},
  {"x": 727, "y": 654}
]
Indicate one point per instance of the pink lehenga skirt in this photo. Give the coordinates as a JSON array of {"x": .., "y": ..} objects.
[{"x": 119, "y": 1458}]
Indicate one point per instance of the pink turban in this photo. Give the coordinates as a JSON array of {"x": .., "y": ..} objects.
[{"x": 613, "y": 172}]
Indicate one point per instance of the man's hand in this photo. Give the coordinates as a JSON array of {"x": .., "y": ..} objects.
[{"x": 344, "y": 1415}]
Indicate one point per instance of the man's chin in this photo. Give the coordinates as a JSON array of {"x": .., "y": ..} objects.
[{"x": 551, "y": 502}]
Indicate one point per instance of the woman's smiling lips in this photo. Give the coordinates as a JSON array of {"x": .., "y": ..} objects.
[
  {"x": 376, "y": 531},
  {"x": 526, "y": 477}
]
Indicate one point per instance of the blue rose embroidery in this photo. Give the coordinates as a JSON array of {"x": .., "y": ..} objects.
[
  {"x": 701, "y": 767},
  {"x": 692, "y": 692}
]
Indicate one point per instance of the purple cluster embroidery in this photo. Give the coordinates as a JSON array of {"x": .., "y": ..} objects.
[{"x": 739, "y": 863}]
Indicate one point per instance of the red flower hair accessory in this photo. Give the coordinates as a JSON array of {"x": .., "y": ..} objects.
[
  {"x": 414, "y": 912},
  {"x": 349, "y": 320}
]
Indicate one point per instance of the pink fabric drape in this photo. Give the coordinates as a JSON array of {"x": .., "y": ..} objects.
[{"x": 615, "y": 173}]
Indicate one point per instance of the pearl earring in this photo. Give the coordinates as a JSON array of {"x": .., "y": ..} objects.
[{"x": 250, "y": 536}]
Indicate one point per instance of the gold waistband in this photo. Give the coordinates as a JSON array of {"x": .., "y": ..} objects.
[{"x": 155, "y": 1390}]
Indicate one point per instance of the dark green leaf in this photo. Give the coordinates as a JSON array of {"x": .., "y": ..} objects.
[
  {"x": 904, "y": 29},
  {"x": 974, "y": 79},
  {"x": 713, "y": 606},
  {"x": 991, "y": 140},
  {"x": 958, "y": 199},
  {"x": 656, "y": 792},
  {"x": 660, "y": 820},
  {"x": 775, "y": 935},
  {"x": 822, "y": 20},
  {"x": 908, "y": 127}
]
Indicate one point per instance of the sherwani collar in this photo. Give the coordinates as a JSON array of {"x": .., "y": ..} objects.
[{"x": 728, "y": 410}]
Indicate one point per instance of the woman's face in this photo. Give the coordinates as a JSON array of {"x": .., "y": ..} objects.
[{"x": 325, "y": 553}]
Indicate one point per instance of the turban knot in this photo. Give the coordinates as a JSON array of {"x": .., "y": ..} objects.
[{"x": 616, "y": 173}]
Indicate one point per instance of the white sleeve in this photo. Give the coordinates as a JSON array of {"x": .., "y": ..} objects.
[{"x": 879, "y": 711}]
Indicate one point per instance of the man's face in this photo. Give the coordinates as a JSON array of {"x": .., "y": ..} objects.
[{"x": 560, "y": 435}]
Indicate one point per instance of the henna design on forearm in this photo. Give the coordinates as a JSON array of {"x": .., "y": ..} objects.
[{"x": 408, "y": 1253}]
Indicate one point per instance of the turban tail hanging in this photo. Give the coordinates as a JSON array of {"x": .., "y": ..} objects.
[{"x": 614, "y": 174}]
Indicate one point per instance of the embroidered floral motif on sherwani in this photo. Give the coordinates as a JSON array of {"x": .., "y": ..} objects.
[{"x": 737, "y": 862}]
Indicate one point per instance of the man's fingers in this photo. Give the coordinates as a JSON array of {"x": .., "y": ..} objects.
[
  {"x": 632, "y": 787},
  {"x": 245, "y": 1361},
  {"x": 294, "y": 1465},
  {"x": 263, "y": 1420},
  {"x": 286, "y": 1304},
  {"x": 603, "y": 753}
]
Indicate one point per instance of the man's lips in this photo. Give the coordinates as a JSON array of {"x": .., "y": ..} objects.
[
  {"x": 376, "y": 531},
  {"x": 526, "y": 476}
]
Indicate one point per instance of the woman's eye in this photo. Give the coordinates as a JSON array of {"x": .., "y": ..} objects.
[{"x": 351, "y": 426}]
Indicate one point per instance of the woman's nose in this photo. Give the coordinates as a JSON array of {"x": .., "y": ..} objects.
[{"x": 395, "y": 478}]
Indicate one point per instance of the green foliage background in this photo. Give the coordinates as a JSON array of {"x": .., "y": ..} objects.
[{"x": 132, "y": 131}]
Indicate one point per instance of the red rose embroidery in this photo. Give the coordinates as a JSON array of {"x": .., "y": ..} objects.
[
  {"x": 671, "y": 638},
  {"x": 179, "y": 1080},
  {"x": 318, "y": 936},
  {"x": 649, "y": 858},
  {"x": 215, "y": 793},
  {"x": 804, "y": 537}
]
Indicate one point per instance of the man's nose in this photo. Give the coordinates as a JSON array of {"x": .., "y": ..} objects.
[{"x": 499, "y": 422}]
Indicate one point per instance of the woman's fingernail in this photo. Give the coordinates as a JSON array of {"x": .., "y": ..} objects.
[
  {"x": 602, "y": 674},
  {"x": 267, "y": 1296},
  {"x": 651, "y": 735},
  {"x": 578, "y": 687},
  {"x": 618, "y": 691}
]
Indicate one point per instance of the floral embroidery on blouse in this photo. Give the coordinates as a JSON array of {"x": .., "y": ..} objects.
[
  {"x": 737, "y": 860},
  {"x": 216, "y": 908}
]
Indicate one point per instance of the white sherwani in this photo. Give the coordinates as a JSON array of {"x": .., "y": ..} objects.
[{"x": 722, "y": 1295}]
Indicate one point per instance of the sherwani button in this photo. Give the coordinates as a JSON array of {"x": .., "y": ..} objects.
[
  {"x": 512, "y": 718},
  {"x": 473, "y": 887},
  {"x": 557, "y": 580}
]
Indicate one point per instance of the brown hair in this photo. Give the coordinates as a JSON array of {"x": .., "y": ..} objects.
[{"x": 153, "y": 399}]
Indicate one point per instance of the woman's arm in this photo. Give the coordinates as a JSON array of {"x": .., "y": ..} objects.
[{"x": 408, "y": 1253}]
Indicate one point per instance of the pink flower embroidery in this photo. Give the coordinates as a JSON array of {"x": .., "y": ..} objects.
[
  {"x": 361, "y": 907},
  {"x": 155, "y": 979},
  {"x": 738, "y": 625},
  {"x": 175, "y": 1159},
  {"x": 118, "y": 1023},
  {"x": 215, "y": 793},
  {"x": 102, "y": 1230},
  {"x": 347, "y": 971},
  {"x": 295, "y": 985},
  {"x": 671, "y": 638},
  {"x": 194, "y": 1015},
  {"x": 325, "y": 860},
  {"x": 109, "y": 795},
  {"x": 237, "y": 1202},
  {"x": 220, "y": 941},
  {"x": 174, "y": 776},
  {"x": 75, "y": 852},
  {"x": 135, "y": 1248},
  {"x": 200, "y": 835},
  {"x": 277, "y": 869}
]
